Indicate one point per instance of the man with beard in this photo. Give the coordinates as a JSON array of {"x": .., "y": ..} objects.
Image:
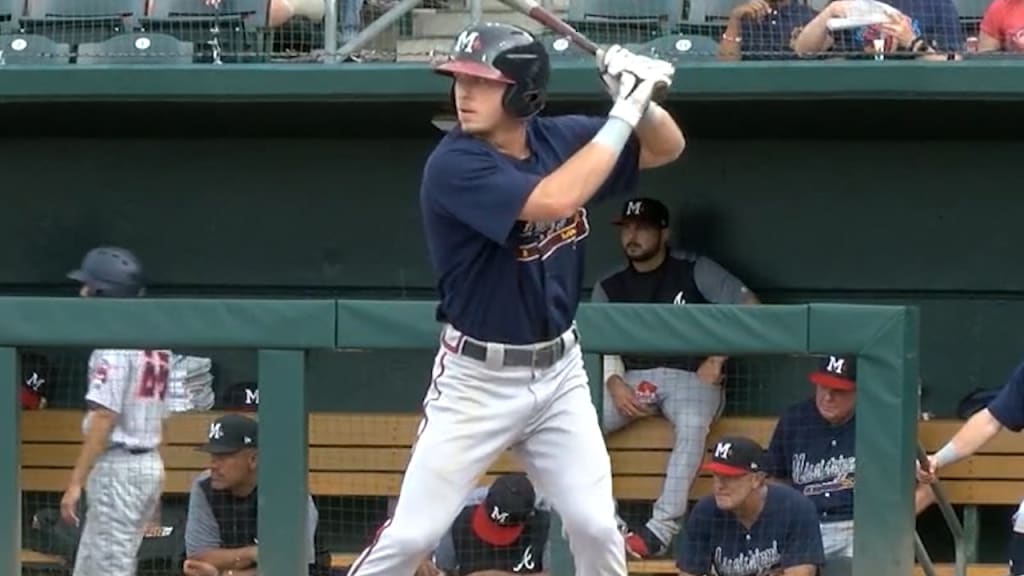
[{"x": 685, "y": 389}]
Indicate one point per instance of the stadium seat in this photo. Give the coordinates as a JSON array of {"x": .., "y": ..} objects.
[
  {"x": 624, "y": 21},
  {"x": 136, "y": 48},
  {"x": 234, "y": 23},
  {"x": 77, "y": 21},
  {"x": 11, "y": 12},
  {"x": 31, "y": 49},
  {"x": 675, "y": 47},
  {"x": 561, "y": 48}
]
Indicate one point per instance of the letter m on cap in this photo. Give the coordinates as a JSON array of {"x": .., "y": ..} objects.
[
  {"x": 836, "y": 365},
  {"x": 633, "y": 207},
  {"x": 722, "y": 449},
  {"x": 216, "y": 431}
]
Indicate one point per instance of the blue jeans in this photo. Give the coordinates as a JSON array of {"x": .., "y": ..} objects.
[{"x": 351, "y": 20}]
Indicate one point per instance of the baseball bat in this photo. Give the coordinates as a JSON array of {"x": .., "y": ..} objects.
[{"x": 534, "y": 10}]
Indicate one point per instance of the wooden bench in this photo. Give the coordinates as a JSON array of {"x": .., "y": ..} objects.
[{"x": 355, "y": 454}]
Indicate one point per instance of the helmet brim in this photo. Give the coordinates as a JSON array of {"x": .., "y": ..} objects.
[
  {"x": 471, "y": 68},
  {"x": 90, "y": 280}
]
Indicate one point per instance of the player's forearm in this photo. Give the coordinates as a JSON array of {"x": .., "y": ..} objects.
[
  {"x": 242, "y": 572},
  {"x": 814, "y": 36},
  {"x": 101, "y": 422},
  {"x": 561, "y": 193},
  {"x": 661, "y": 139},
  {"x": 981, "y": 428},
  {"x": 228, "y": 558}
]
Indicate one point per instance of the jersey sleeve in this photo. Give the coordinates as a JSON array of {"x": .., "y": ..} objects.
[
  {"x": 469, "y": 184},
  {"x": 1008, "y": 406},
  {"x": 992, "y": 21},
  {"x": 109, "y": 379},
  {"x": 717, "y": 284},
  {"x": 694, "y": 555},
  {"x": 803, "y": 534},
  {"x": 201, "y": 530},
  {"x": 776, "y": 460},
  {"x": 312, "y": 519},
  {"x": 624, "y": 176}
]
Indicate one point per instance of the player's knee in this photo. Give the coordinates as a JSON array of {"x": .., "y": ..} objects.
[
  {"x": 409, "y": 542},
  {"x": 597, "y": 532}
]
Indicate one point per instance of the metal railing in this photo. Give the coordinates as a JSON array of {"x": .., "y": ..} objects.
[{"x": 955, "y": 528}]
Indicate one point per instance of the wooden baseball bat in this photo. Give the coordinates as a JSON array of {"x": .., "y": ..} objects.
[{"x": 534, "y": 10}]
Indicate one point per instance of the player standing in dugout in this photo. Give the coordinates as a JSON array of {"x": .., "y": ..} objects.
[
  {"x": 504, "y": 197},
  {"x": 687, "y": 390},
  {"x": 119, "y": 464}
]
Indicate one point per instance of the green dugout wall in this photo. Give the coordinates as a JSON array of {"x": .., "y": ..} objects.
[{"x": 883, "y": 338}]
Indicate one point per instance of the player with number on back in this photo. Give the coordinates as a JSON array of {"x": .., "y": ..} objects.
[
  {"x": 504, "y": 199},
  {"x": 119, "y": 465}
]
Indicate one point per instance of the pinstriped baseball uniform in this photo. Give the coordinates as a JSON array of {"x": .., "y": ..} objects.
[{"x": 123, "y": 488}]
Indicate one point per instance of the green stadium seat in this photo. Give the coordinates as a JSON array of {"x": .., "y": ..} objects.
[
  {"x": 238, "y": 22},
  {"x": 676, "y": 47},
  {"x": 624, "y": 21},
  {"x": 77, "y": 21},
  {"x": 561, "y": 48},
  {"x": 31, "y": 49},
  {"x": 11, "y": 12},
  {"x": 136, "y": 48}
]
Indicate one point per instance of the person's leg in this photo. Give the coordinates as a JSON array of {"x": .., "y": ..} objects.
[
  {"x": 691, "y": 406},
  {"x": 837, "y": 538},
  {"x": 565, "y": 455},
  {"x": 471, "y": 415}
]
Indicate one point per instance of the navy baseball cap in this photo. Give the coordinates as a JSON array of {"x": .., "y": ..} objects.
[
  {"x": 502, "y": 516},
  {"x": 646, "y": 210},
  {"x": 836, "y": 372},
  {"x": 735, "y": 456},
  {"x": 231, "y": 433}
]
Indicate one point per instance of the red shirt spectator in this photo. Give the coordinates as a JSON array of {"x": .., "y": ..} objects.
[{"x": 1002, "y": 27}]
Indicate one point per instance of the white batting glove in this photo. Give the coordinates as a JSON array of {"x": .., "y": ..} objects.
[
  {"x": 633, "y": 96},
  {"x": 615, "y": 60}
]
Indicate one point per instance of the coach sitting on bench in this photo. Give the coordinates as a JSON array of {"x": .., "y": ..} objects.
[{"x": 221, "y": 529}]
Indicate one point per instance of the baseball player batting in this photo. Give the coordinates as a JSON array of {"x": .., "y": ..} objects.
[
  {"x": 119, "y": 464},
  {"x": 504, "y": 198}
]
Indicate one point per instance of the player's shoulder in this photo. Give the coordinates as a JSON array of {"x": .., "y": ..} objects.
[
  {"x": 610, "y": 274},
  {"x": 788, "y": 499},
  {"x": 569, "y": 128},
  {"x": 201, "y": 482},
  {"x": 799, "y": 412},
  {"x": 705, "y": 508}
]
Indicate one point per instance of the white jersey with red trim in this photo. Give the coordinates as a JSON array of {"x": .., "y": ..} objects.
[{"x": 133, "y": 384}]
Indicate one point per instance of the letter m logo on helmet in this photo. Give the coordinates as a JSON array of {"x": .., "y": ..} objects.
[{"x": 468, "y": 41}]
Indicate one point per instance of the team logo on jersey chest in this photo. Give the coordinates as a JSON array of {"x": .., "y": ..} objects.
[
  {"x": 826, "y": 475},
  {"x": 538, "y": 240},
  {"x": 757, "y": 561}
]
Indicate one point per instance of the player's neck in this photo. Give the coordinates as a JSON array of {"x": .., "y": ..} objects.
[
  {"x": 650, "y": 264},
  {"x": 510, "y": 140},
  {"x": 748, "y": 512},
  {"x": 244, "y": 489}
]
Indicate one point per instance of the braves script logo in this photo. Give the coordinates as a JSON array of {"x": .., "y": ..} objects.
[
  {"x": 527, "y": 561},
  {"x": 826, "y": 475},
  {"x": 538, "y": 240},
  {"x": 748, "y": 563}
]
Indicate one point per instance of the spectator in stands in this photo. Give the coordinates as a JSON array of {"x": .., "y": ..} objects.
[
  {"x": 928, "y": 29},
  {"x": 221, "y": 529},
  {"x": 749, "y": 527},
  {"x": 687, "y": 390},
  {"x": 763, "y": 29},
  {"x": 281, "y": 11},
  {"x": 1002, "y": 27},
  {"x": 503, "y": 529}
]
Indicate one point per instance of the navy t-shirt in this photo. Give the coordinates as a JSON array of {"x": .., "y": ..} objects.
[
  {"x": 786, "y": 534},
  {"x": 817, "y": 458},
  {"x": 501, "y": 279},
  {"x": 1008, "y": 406}
]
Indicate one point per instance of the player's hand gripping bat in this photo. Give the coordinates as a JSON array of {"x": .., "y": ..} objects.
[{"x": 534, "y": 10}]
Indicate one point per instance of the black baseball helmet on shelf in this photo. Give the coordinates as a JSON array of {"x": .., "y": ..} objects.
[
  {"x": 112, "y": 272},
  {"x": 507, "y": 54}
]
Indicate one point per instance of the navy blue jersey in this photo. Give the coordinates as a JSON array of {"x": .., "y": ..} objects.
[
  {"x": 816, "y": 457},
  {"x": 786, "y": 534},
  {"x": 501, "y": 279},
  {"x": 1008, "y": 406}
]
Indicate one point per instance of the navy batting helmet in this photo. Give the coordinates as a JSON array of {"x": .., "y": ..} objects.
[
  {"x": 503, "y": 53},
  {"x": 110, "y": 271}
]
